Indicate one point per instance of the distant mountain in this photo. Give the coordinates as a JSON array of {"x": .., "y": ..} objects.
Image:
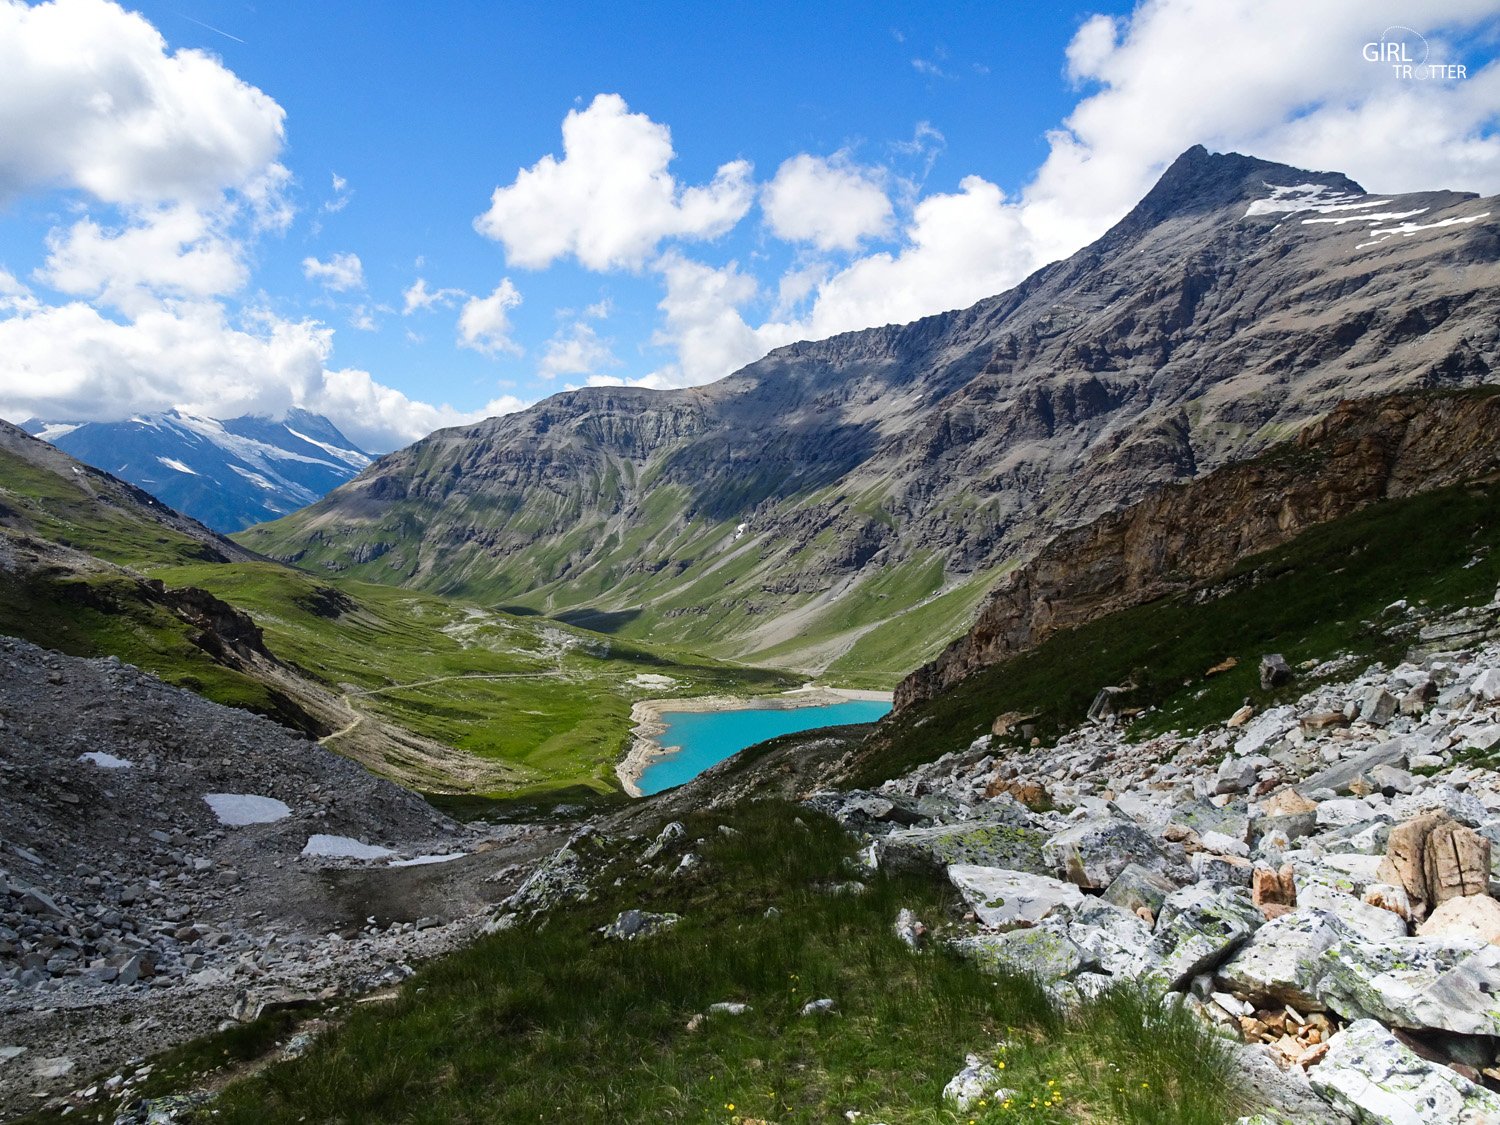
[
  {"x": 844, "y": 504},
  {"x": 226, "y": 474}
]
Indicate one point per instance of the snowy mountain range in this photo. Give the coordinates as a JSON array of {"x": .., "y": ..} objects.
[{"x": 227, "y": 474}]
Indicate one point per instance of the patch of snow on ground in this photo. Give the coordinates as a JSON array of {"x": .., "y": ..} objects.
[
  {"x": 105, "y": 761},
  {"x": 1309, "y": 197},
  {"x": 343, "y": 847},
  {"x": 1384, "y": 234},
  {"x": 651, "y": 680},
  {"x": 1374, "y": 217},
  {"x": 424, "y": 860},
  {"x": 239, "y": 809},
  {"x": 173, "y": 463}
]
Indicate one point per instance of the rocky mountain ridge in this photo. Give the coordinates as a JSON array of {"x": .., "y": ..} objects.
[
  {"x": 78, "y": 491},
  {"x": 789, "y": 511},
  {"x": 1363, "y": 451},
  {"x": 228, "y": 473}
]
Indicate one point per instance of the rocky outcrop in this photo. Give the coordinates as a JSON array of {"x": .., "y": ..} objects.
[
  {"x": 1276, "y": 870},
  {"x": 1363, "y": 451},
  {"x": 167, "y": 863},
  {"x": 1210, "y": 323}
]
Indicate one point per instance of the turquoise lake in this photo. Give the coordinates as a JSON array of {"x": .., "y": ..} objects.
[{"x": 699, "y": 739}]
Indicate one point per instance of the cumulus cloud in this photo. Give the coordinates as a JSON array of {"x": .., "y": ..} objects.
[
  {"x": 180, "y": 250},
  {"x": 341, "y": 273},
  {"x": 576, "y": 350},
  {"x": 610, "y": 200},
  {"x": 71, "y": 362},
  {"x": 418, "y": 297},
  {"x": 91, "y": 98},
  {"x": 831, "y": 203},
  {"x": 181, "y": 156},
  {"x": 484, "y": 323},
  {"x": 704, "y": 324}
]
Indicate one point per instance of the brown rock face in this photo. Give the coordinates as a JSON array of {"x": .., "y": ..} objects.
[
  {"x": 1456, "y": 862},
  {"x": 1436, "y": 860},
  {"x": 1363, "y": 451},
  {"x": 1275, "y": 892},
  {"x": 1470, "y": 916}
]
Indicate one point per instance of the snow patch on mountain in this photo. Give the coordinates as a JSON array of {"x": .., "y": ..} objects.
[
  {"x": 227, "y": 474},
  {"x": 1289, "y": 199}
]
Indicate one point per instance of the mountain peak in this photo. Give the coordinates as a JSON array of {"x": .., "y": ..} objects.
[{"x": 1200, "y": 181}]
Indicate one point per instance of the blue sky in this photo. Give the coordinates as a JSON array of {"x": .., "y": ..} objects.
[{"x": 226, "y": 206}]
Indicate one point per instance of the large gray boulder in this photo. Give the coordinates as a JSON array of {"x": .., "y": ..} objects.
[
  {"x": 1039, "y": 952},
  {"x": 1113, "y": 941},
  {"x": 1232, "y": 820},
  {"x": 1137, "y": 887},
  {"x": 977, "y": 1081},
  {"x": 1199, "y": 927},
  {"x": 1341, "y": 775},
  {"x": 1282, "y": 961},
  {"x": 984, "y": 843},
  {"x": 1445, "y": 984},
  {"x": 631, "y": 924},
  {"x": 1093, "y": 853},
  {"x": 1005, "y": 898},
  {"x": 1370, "y": 1073},
  {"x": 1321, "y": 893}
]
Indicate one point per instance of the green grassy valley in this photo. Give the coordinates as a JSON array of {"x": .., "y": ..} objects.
[
  {"x": 550, "y": 701},
  {"x": 521, "y": 704},
  {"x": 867, "y": 633}
]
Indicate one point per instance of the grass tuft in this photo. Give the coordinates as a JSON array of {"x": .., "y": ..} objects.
[{"x": 550, "y": 1021}]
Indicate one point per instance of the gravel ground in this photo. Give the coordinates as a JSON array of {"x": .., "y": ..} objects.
[{"x": 132, "y": 917}]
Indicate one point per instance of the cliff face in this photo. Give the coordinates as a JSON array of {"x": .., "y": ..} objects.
[
  {"x": 1362, "y": 451},
  {"x": 788, "y": 511}
]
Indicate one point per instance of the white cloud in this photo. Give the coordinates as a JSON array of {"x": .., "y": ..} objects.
[
  {"x": 831, "y": 203},
  {"x": 90, "y": 98},
  {"x": 610, "y": 200},
  {"x": 931, "y": 68},
  {"x": 1294, "y": 88},
  {"x": 179, "y": 249},
  {"x": 418, "y": 297},
  {"x": 576, "y": 350},
  {"x": 182, "y": 156},
  {"x": 926, "y": 143},
  {"x": 14, "y": 296},
  {"x": 704, "y": 324},
  {"x": 959, "y": 247},
  {"x": 342, "y": 272},
  {"x": 69, "y": 361},
  {"x": 341, "y": 195},
  {"x": 484, "y": 323}
]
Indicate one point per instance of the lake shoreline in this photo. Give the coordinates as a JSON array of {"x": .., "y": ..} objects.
[{"x": 647, "y": 724}]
